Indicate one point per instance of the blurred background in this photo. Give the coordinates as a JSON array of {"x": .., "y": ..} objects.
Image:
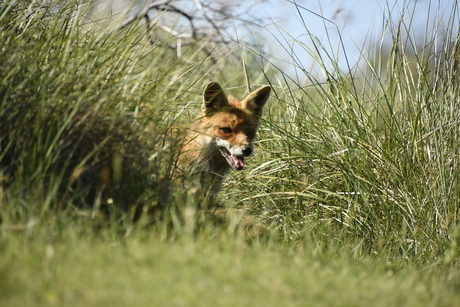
[{"x": 288, "y": 32}]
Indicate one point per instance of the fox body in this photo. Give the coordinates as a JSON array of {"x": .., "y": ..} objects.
[{"x": 221, "y": 138}]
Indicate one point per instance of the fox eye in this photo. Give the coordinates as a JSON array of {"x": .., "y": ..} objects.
[{"x": 226, "y": 130}]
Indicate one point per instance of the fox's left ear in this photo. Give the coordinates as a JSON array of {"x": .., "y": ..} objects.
[{"x": 256, "y": 101}]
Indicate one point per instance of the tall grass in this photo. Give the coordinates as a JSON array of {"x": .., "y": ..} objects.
[
  {"x": 85, "y": 110},
  {"x": 374, "y": 157},
  {"x": 370, "y": 153}
]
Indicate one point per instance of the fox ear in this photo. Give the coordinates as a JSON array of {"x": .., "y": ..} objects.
[
  {"x": 214, "y": 98},
  {"x": 256, "y": 101}
]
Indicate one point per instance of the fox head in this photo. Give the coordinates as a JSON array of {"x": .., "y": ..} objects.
[{"x": 231, "y": 124}]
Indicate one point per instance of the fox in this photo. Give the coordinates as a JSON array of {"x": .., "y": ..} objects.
[{"x": 222, "y": 136}]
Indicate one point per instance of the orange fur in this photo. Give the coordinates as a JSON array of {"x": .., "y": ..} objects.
[{"x": 223, "y": 136}]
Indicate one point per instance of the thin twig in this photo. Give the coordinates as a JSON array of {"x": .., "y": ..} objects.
[{"x": 142, "y": 13}]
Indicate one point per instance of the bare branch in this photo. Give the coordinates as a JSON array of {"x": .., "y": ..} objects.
[
  {"x": 144, "y": 12},
  {"x": 212, "y": 20}
]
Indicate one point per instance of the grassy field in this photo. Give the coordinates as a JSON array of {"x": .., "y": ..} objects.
[
  {"x": 78, "y": 268},
  {"x": 355, "y": 178}
]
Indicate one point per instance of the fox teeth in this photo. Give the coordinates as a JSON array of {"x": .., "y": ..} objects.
[{"x": 236, "y": 162}]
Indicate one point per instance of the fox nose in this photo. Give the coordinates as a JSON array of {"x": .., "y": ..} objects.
[{"x": 247, "y": 151}]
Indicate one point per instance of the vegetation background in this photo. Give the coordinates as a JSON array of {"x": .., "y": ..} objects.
[{"x": 355, "y": 175}]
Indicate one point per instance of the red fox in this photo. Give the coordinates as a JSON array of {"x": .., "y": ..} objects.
[{"x": 223, "y": 136}]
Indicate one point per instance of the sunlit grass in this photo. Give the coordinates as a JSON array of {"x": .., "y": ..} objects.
[
  {"x": 58, "y": 267},
  {"x": 373, "y": 156}
]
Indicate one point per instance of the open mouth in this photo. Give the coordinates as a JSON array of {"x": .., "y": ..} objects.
[{"x": 236, "y": 162}]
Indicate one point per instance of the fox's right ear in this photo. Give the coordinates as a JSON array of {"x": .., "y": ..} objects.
[{"x": 214, "y": 98}]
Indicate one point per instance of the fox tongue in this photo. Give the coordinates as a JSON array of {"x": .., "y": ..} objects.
[{"x": 238, "y": 162}]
